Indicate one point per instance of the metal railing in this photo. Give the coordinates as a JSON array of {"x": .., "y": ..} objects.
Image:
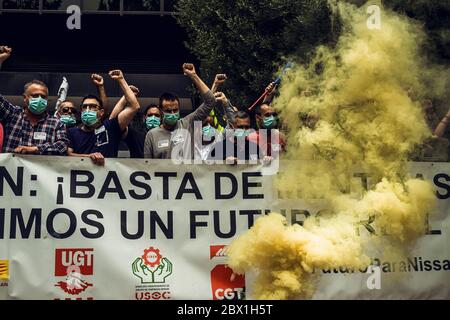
[{"x": 121, "y": 11}]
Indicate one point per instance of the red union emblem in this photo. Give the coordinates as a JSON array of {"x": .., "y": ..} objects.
[
  {"x": 74, "y": 264},
  {"x": 217, "y": 251},
  {"x": 227, "y": 285},
  {"x": 81, "y": 258}
]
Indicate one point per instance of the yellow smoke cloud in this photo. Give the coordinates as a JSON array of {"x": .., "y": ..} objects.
[{"x": 367, "y": 118}]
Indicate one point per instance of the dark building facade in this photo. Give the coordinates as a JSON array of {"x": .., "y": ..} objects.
[{"x": 140, "y": 37}]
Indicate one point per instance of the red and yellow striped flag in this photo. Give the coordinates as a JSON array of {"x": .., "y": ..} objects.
[{"x": 4, "y": 271}]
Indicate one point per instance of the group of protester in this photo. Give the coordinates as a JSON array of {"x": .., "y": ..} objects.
[{"x": 215, "y": 131}]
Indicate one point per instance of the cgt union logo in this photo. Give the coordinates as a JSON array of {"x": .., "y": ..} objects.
[
  {"x": 152, "y": 269},
  {"x": 74, "y": 264},
  {"x": 225, "y": 284}
]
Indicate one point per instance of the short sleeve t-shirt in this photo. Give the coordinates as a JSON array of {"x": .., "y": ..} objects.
[
  {"x": 135, "y": 141},
  {"x": 105, "y": 139}
]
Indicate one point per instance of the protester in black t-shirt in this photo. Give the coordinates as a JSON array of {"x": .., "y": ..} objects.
[
  {"x": 99, "y": 139},
  {"x": 134, "y": 137}
]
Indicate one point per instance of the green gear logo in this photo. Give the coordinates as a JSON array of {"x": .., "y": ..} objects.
[{"x": 152, "y": 267}]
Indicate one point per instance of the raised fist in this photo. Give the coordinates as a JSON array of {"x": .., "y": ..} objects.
[
  {"x": 220, "y": 78},
  {"x": 189, "y": 69},
  {"x": 97, "y": 80},
  {"x": 116, "y": 75},
  {"x": 221, "y": 97},
  {"x": 5, "y": 53}
]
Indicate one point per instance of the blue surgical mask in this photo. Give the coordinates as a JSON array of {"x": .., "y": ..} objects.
[
  {"x": 208, "y": 132},
  {"x": 68, "y": 120},
  {"x": 171, "y": 118},
  {"x": 37, "y": 106},
  {"x": 239, "y": 133},
  {"x": 270, "y": 122},
  {"x": 152, "y": 122},
  {"x": 89, "y": 118}
]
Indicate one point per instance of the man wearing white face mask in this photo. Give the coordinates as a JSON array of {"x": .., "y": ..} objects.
[{"x": 30, "y": 129}]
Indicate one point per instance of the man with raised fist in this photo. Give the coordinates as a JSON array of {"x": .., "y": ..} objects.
[
  {"x": 98, "y": 139},
  {"x": 174, "y": 138}
]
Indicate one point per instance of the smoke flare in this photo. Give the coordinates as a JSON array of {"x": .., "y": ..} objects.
[{"x": 354, "y": 105}]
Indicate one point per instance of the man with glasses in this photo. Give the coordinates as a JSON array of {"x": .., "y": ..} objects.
[
  {"x": 174, "y": 138},
  {"x": 30, "y": 129},
  {"x": 67, "y": 113},
  {"x": 99, "y": 139},
  {"x": 65, "y": 109}
]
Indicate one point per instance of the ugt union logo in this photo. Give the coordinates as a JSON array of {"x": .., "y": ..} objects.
[{"x": 74, "y": 265}]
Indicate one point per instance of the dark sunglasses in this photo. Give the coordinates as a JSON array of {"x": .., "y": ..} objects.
[{"x": 66, "y": 110}]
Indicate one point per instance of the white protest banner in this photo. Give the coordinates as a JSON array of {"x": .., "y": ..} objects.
[
  {"x": 152, "y": 230},
  {"x": 425, "y": 274},
  {"x": 132, "y": 229}
]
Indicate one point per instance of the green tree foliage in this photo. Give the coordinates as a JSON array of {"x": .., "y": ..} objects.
[
  {"x": 21, "y": 4},
  {"x": 247, "y": 39}
]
